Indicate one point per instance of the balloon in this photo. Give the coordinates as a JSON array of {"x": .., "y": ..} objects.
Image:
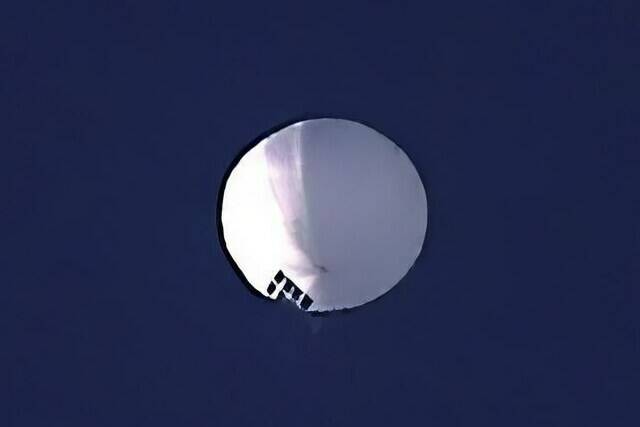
[{"x": 328, "y": 213}]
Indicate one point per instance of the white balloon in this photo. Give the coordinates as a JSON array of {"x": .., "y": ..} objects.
[{"x": 327, "y": 212}]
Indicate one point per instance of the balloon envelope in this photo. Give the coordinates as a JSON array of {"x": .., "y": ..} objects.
[{"x": 328, "y": 211}]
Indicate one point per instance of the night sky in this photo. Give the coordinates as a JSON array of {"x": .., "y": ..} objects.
[{"x": 119, "y": 120}]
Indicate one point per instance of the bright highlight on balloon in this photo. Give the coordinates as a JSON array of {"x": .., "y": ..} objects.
[{"x": 327, "y": 213}]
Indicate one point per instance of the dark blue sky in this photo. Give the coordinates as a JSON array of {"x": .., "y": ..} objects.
[{"x": 118, "y": 121}]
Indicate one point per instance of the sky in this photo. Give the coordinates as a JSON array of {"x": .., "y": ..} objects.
[{"x": 119, "y": 120}]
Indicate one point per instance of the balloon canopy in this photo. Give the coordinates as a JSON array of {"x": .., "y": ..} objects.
[{"x": 328, "y": 213}]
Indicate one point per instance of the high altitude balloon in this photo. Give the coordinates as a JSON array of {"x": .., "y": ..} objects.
[{"x": 328, "y": 213}]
